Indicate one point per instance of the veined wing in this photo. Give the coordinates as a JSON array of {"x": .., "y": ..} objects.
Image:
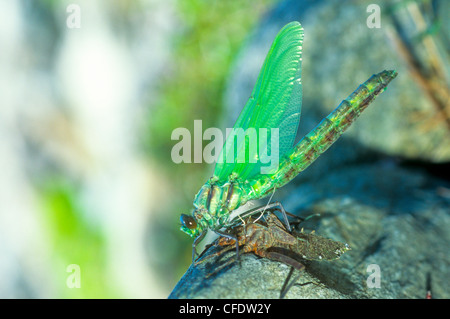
[{"x": 275, "y": 103}]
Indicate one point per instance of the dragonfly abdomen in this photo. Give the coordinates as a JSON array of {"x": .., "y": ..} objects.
[
  {"x": 350, "y": 108},
  {"x": 331, "y": 128}
]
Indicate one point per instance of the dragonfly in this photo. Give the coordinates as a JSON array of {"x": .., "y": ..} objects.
[{"x": 275, "y": 103}]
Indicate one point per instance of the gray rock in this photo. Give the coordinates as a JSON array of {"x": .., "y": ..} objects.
[
  {"x": 394, "y": 218},
  {"x": 339, "y": 53}
]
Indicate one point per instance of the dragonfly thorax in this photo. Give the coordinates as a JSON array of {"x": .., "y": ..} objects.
[{"x": 213, "y": 204}]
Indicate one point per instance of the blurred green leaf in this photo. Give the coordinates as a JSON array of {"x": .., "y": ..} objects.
[{"x": 74, "y": 241}]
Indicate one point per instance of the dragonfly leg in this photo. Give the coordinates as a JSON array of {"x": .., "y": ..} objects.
[
  {"x": 285, "y": 259},
  {"x": 283, "y": 212},
  {"x": 230, "y": 236},
  {"x": 289, "y": 283},
  {"x": 289, "y": 261},
  {"x": 269, "y": 207},
  {"x": 299, "y": 220},
  {"x": 195, "y": 243},
  {"x": 220, "y": 252},
  {"x": 222, "y": 266},
  {"x": 218, "y": 268}
]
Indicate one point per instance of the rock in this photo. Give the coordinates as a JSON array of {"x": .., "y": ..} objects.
[
  {"x": 394, "y": 218},
  {"x": 339, "y": 53}
]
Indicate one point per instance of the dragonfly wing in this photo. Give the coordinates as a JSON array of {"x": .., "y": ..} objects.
[{"x": 275, "y": 103}]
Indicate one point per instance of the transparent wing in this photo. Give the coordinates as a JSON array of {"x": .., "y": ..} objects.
[{"x": 275, "y": 103}]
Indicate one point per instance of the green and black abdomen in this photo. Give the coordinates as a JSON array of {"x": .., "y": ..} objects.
[{"x": 330, "y": 128}]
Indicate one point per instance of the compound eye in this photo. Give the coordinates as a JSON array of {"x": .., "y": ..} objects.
[{"x": 188, "y": 221}]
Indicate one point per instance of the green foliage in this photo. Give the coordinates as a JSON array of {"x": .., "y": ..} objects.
[
  {"x": 74, "y": 241},
  {"x": 210, "y": 34}
]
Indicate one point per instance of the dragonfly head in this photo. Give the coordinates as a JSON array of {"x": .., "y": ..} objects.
[{"x": 189, "y": 225}]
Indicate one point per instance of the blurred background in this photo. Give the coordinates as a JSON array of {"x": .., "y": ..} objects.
[
  {"x": 90, "y": 92},
  {"x": 86, "y": 116}
]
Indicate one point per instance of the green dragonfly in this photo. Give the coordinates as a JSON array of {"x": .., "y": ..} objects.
[{"x": 275, "y": 103}]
